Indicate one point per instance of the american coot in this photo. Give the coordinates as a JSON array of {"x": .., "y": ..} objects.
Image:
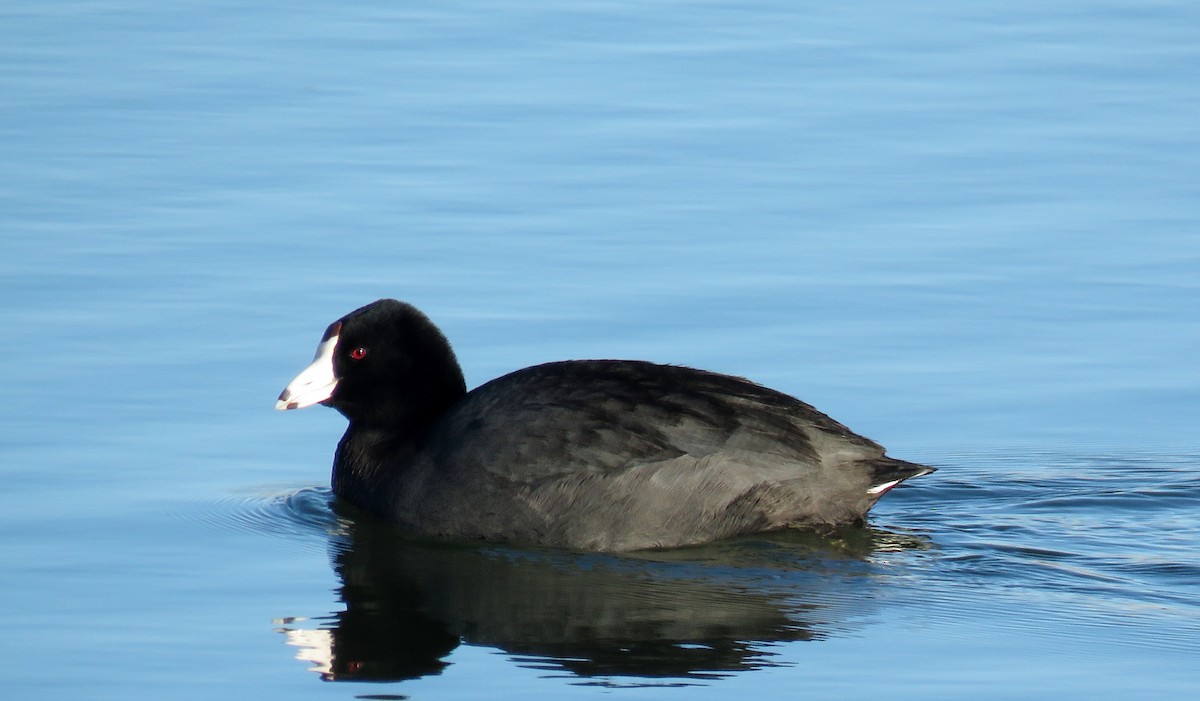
[{"x": 589, "y": 454}]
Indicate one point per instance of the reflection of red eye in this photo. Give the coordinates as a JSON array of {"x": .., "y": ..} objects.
[{"x": 358, "y": 353}]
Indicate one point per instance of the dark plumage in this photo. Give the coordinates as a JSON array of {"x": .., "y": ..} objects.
[{"x": 588, "y": 454}]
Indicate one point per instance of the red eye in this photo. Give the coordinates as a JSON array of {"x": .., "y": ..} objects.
[{"x": 358, "y": 353}]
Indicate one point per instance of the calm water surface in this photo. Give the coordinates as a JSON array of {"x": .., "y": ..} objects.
[{"x": 970, "y": 233}]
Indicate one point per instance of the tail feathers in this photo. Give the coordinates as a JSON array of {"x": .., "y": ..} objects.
[{"x": 888, "y": 472}]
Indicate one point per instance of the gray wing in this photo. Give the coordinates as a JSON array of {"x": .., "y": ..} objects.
[
  {"x": 624, "y": 455},
  {"x": 591, "y": 417}
]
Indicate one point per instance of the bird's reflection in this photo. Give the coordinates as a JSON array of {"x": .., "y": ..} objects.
[{"x": 688, "y": 614}]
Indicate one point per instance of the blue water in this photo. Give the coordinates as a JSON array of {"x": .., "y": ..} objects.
[{"x": 969, "y": 232}]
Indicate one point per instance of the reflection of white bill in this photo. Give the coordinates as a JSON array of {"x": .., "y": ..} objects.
[{"x": 316, "y": 647}]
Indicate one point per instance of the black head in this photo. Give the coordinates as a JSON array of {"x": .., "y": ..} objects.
[{"x": 385, "y": 365}]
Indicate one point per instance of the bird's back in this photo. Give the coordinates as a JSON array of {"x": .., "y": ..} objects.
[{"x": 622, "y": 455}]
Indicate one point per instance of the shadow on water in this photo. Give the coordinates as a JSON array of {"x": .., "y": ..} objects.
[{"x": 674, "y": 616}]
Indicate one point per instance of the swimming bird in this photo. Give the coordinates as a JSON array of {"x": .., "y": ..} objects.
[{"x": 602, "y": 455}]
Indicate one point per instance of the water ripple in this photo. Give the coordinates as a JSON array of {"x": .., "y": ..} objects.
[
  {"x": 303, "y": 513},
  {"x": 1093, "y": 541}
]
